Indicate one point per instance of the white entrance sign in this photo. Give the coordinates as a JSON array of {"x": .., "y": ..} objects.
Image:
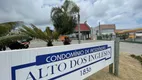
[{"x": 71, "y": 62}]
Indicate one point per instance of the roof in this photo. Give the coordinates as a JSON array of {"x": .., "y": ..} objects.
[
  {"x": 133, "y": 30},
  {"x": 83, "y": 27},
  {"x": 119, "y": 30},
  {"x": 107, "y": 26}
]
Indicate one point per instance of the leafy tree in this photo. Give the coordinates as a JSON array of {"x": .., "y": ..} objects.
[
  {"x": 63, "y": 18},
  {"x": 48, "y": 35}
]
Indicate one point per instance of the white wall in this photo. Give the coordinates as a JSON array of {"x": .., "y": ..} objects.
[
  {"x": 108, "y": 31},
  {"x": 139, "y": 34}
]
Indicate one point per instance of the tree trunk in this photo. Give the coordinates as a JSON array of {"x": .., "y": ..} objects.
[{"x": 49, "y": 43}]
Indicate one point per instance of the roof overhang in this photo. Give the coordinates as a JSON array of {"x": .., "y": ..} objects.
[{"x": 129, "y": 31}]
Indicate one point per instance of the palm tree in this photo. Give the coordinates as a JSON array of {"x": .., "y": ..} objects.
[
  {"x": 48, "y": 35},
  {"x": 5, "y": 28},
  {"x": 64, "y": 18},
  {"x": 5, "y": 33}
]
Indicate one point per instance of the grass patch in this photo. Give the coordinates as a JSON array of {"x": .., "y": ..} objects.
[{"x": 139, "y": 58}]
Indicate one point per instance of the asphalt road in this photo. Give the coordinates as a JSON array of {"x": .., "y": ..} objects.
[
  {"x": 131, "y": 48},
  {"x": 39, "y": 43}
]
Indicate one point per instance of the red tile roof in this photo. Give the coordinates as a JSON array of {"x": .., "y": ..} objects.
[
  {"x": 107, "y": 26},
  {"x": 83, "y": 27}
]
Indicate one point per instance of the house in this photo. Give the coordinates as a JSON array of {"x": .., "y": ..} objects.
[
  {"x": 85, "y": 31},
  {"x": 103, "y": 29}
]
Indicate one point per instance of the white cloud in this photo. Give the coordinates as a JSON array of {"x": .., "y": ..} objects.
[{"x": 123, "y": 13}]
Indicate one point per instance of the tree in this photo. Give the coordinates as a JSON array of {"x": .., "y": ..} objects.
[
  {"x": 64, "y": 18},
  {"x": 110, "y": 35},
  {"x": 48, "y": 35},
  {"x": 5, "y": 28},
  {"x": 56, "y": 35},
  {"x": 125, "y": 36},
  {"x": 5, "y": 37},
  {"x": 107, "y": 36},
  {"x": 103, "y": 36}
]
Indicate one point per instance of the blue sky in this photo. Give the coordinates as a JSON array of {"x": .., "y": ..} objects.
[
  {"x": 124, "y": 13},
  {"x": 139, "y": 21}
]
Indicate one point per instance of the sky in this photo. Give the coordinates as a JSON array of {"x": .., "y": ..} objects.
[{"x": 123, "y": 13}]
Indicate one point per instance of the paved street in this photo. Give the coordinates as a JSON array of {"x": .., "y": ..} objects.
[
  {"x": 39, "y": 43},
  {"x": 131, "y": 48}
]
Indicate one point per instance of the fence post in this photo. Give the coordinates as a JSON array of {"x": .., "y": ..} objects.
[
  {"x": 111, "y": 68},
  {"x": 116, "y": 57}
]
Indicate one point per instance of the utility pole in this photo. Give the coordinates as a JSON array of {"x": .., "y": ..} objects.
[
  {"x": 79, "y": 29},
  {"x": 99, "y": 29}
]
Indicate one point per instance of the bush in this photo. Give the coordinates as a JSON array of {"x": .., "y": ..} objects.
[
  {"x": 133, "y": 56},
  {"x": 110, "y": 36},
  {"x": 139, "y": 58},
  {"x": 99, "y": 37}
]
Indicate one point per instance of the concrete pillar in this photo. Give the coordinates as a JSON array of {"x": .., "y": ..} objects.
[
  {"x": 88, "y": 35},
  {"x": 116, "y": 57},
  {"x": 134, "y": 36},
  {"x": 85, "y": 35}
]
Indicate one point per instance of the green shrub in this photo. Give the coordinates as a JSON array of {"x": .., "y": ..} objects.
[
  {"x": 99, "y": 37},
  {"x": 133, "y": 56},
  {"x": 139, "y": 58}
]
